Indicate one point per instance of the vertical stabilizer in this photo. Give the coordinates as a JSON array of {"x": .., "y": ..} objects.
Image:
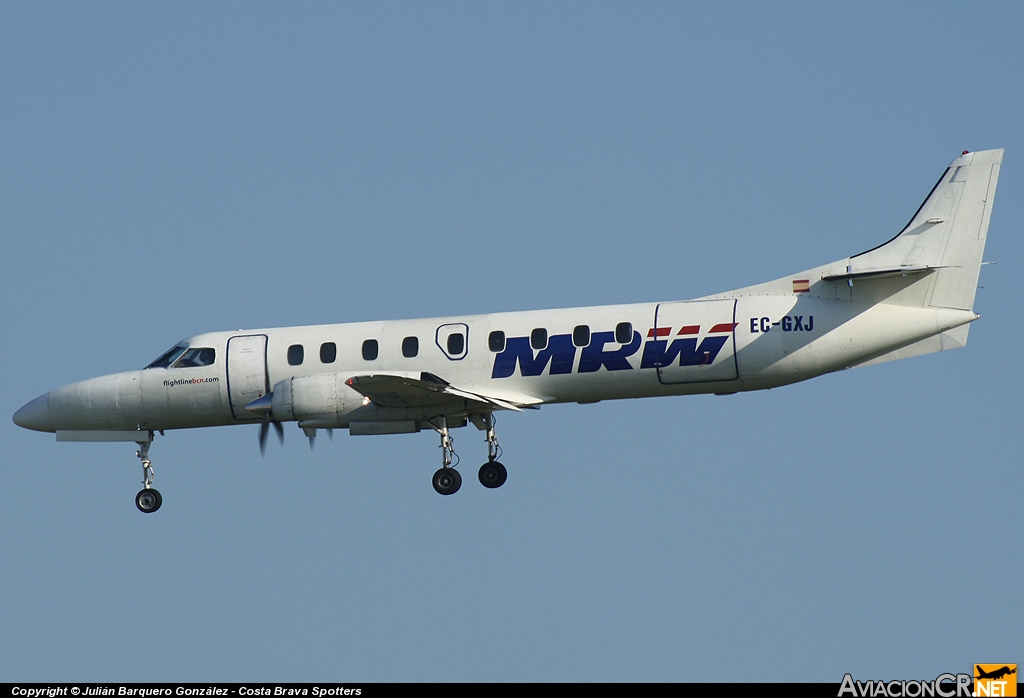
[{"x": 948, "y": 232}]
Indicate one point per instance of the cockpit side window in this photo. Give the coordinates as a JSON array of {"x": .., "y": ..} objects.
[
  {"x": 196, "y": 357},
  {"x": 168, "y": 357}
]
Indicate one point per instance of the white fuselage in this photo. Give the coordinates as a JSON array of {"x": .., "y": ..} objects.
[{"x": 724, "y": 344}]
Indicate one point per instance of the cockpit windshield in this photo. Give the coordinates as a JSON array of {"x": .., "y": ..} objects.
[
  {"x": 196, "y": 357},
  {"x": 168, "y": 357},
  {"x": 181, "y": 356}
]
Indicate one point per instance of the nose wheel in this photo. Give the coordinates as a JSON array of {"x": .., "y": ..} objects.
[{"x": 148, "y": 499}]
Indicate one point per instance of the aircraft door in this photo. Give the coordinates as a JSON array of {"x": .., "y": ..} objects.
[
  {"x": 694, "y": 341},
  {"x": 453, "y": 340},
  {"x": 247, "y": 372}
]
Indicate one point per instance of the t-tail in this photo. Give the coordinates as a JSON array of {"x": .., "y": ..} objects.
[
  {"x": 933, "y": 265},
  {"x": 945, "y": 239}
]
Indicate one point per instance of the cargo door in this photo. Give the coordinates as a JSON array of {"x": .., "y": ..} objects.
[{"x": 693, "y": 341}]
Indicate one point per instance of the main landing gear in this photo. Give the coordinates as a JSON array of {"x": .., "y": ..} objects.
[
  {"x": 148, "y": 499},
  {"x": 492, "y": 473},
  {"x": 448, "y": 480}
]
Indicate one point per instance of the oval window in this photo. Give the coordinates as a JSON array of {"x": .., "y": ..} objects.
[
  {"x": 328, "y": 352},
  {"x": 624, "y": 333},
  {"x": 496, "y": 341},
  {"x": 539, "y": 338},
  {"x": 581, "y": 335},
  {"x": 410, "y": 347},
  {"x": 456, "y": 343},
  {"x": 295, "y": 355},
  {"x": 370, "y": 350}
]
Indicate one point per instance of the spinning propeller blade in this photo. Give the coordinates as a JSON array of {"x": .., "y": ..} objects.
[
  {"x": 264, "y": 428},
  {"x": 264, "y": 406}
]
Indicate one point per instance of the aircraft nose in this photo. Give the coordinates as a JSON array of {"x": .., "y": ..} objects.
[{"x": 35, "y": 415}]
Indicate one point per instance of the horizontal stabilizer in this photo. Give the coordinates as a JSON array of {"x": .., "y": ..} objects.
[{"x": 884, "y": 272}]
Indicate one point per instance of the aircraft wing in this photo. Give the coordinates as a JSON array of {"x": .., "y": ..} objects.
[{"x": 426, "y": 390}]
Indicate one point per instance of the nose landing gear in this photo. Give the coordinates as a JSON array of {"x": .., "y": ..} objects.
[{"x": 148, "y": 499}]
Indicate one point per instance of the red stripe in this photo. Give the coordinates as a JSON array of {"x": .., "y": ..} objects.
[
  {"x": 662, "y": 332},
  {"x": 724, "y": 327},
  {"x": 689, "y": 329}
]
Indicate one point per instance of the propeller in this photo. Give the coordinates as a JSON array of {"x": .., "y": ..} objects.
[
  {"x": 265, "y": 428},
  {"x": 264, "y": 406},
  {"x": 310, "y": 433}
]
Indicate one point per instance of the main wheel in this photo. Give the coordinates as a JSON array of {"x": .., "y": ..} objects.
[
  {"x": 148, "y": 500},
  {"x": 447, "y": 481},
  {"x": 493, "y": 474}
]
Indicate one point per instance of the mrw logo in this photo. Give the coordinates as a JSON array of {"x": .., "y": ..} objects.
[{"x": 662, "y": 349}]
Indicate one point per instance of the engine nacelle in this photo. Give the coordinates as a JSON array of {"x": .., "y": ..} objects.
[
  {"x": 321, "y": 397},
  {"x": 324, "y": 401}
]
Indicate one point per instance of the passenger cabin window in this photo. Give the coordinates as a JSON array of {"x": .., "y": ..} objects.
[
  {"x": 624, "y": 333},
  {"x": 496, "y": 341},
  {"x": 581, "y": 336},
  {"x": 328, "y": 352},
  {"x": 539, "y": 338},
  {"x": 196, "y": 357},
  {"x": 370, "y": 350},
  {"x": 456, "y": 343},
  {"x": 295, "y": 355},
  {"x": 168, "y": 357},
  {"x": 410, "y": 347}
]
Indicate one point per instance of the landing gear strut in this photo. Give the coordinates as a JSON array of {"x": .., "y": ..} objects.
[
  {"x": 447, "y": 480},
  {"x": 492, "y": 473},
  {"x": 148, "y": 499}
]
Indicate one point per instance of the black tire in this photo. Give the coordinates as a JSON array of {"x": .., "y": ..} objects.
[
  {"x": 447, "y": 481},
  {"x": 148, "y": 500},
  {"x": 493, "y": 474}
]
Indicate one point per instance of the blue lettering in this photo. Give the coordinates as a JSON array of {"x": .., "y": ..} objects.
[
  {"x": 766, "y": 324},
  {"x": 810, "y": 323},
  {"x": 594, "y": 356},
  {"x": 561, "y": 352},
  {"x": 753, "y": 325},
  {"x": 787, "y": 324},
  {"x": 656, "y": 354}
]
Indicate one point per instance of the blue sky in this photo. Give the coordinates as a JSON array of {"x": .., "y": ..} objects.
[{"x": 172, "y": 169}]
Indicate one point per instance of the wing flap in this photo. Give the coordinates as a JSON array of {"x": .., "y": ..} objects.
[{"x": 424, "y": 389}]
